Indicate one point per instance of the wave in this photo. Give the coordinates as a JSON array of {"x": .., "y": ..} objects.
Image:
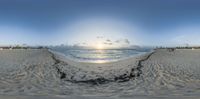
[{"x": 93, "y": 55}]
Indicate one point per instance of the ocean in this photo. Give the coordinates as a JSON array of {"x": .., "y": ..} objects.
[{"x": 100, "y": 56}]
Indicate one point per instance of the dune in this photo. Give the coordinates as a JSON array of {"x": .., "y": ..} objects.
[{"x": 42, "y": 73}]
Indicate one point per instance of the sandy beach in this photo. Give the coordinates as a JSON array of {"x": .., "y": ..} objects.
[{"x": 43, "y": 73}]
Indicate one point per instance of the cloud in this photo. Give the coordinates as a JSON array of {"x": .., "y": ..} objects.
[
  {"x": 106, "y": 43},
  {"x": 84, "y": 43},
  {"x": 123, "y": 41},
  {"x": 100, "y": 37},
  {"x": 80, "y": 44},
  {"x": 117, "y": 41},
  {"x": 108, "y": 40},
  {"x": 127, "y": 41}
]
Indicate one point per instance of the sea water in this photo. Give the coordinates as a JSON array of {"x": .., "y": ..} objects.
[{"x": 100, "y": 56}]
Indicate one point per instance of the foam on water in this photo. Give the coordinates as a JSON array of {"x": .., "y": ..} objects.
[{"x": 100, "y": 56}]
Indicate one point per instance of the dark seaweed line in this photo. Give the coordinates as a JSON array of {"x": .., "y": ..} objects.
[
  {"x": 132, "y": 75},
  {"x": 121, "y": 78},
  {"x": 62, "y": 74},
  {"x": 140, "y": 66}
]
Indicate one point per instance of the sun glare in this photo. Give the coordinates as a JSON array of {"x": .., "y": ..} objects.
[{"x": 99, "y": 46}]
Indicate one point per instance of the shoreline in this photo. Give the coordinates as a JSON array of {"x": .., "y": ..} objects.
[
  {"x": 62, "y": 57},
  {"x": 101, "y": 61},
  {"x": 160, "y": 73},
  {"x": 135, "y": 71}
]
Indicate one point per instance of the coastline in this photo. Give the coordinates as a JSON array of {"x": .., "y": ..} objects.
[
  {"x": 65, "y": 58},
  {"x": 129, "y": 69},
  {"x": 40, "y": 72}
]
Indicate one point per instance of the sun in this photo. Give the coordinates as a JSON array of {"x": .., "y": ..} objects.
[{"x": 99, "y": 46}]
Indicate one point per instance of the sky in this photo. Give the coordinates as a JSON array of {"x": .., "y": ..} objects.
[{"x": 108, "y": 23}]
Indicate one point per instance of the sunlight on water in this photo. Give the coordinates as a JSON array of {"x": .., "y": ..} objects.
[
  {"x": 99, "y": 61},
  {"x": 100, "y": 55}
]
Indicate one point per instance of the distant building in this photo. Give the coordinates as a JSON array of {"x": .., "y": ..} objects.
[{"x": 193, "y": 48}]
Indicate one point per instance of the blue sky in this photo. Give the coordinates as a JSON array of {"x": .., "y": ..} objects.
[{"x": 82, "y": 22}]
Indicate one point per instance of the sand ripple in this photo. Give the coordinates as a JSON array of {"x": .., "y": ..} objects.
[{"x": 39, "y": 72}]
